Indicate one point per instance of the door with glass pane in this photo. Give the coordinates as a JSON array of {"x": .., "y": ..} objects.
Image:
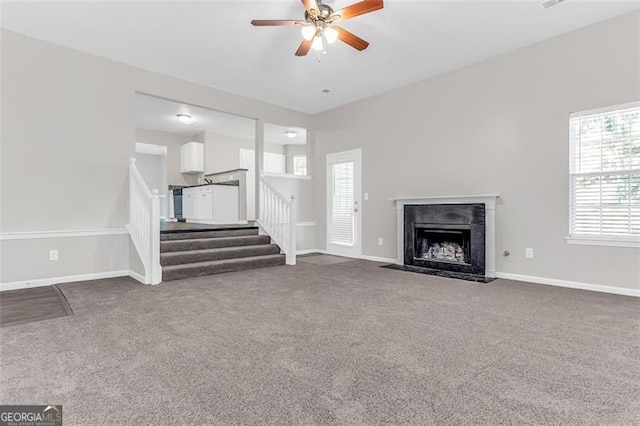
[{"x": 344, "y": 212}]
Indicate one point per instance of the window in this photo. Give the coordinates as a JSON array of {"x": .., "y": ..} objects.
[
  {"x": 300, "y": 165},
  {"x": 605, "y": 176},
  {"x": 342, "y": 213}
]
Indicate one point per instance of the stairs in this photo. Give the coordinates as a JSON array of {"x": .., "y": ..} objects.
[{"x": 196, "y": 253}]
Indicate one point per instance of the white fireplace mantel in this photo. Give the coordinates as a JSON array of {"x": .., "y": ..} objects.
[{"x": 489, "y": 201}]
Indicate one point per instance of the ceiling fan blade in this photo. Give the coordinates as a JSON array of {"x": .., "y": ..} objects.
[
  {"x": 274, "y": 22},
  {"x": 358, "y": 9},
  {"x": 304, "y": 47},
  {"x": 351, "y": 39},
  {"x": 311, "y": 5}
]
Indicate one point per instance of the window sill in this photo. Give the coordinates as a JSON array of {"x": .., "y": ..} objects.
[
  {"x": 286, "y": 175},
  {"x": 595, "y": 240}
]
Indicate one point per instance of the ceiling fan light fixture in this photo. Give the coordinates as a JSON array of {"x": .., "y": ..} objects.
[
  {"x": 330, "y": 34},
  {"x": 291, "y": 134},
  {"x": 308, "y": 32},
  {"x": 185, "y": 119},
  {"x": 317, "y": 43}
]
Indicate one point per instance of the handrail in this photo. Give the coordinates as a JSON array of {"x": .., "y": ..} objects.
[
  {"x": 144, "y": 224},
  {"x": 278, "y": 217}
]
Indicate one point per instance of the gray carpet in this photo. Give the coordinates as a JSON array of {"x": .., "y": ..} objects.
[{"x": 346, "y": 343}]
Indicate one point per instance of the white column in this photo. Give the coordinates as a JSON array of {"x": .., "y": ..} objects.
[
  {"x": 259, "y": 162},
  {"x": 400, "y": 236}
]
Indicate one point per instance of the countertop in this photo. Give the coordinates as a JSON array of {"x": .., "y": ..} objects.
[
  {"x": 227, "y": 171},
  {"x": 226, "y": 183}
]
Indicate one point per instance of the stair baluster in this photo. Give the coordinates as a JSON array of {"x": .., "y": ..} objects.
[
  {"x": 144, "y": 224},
  {"x": 278, "y": 217}
]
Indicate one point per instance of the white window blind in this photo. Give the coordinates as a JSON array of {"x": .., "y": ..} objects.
[
  {"x": 343, "y": 216},
  {"x": 605, "y": 172},
  {"x": 300, "y": 165}
]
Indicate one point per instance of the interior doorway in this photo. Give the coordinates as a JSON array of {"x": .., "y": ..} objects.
[{"x": 344, "y": 205}]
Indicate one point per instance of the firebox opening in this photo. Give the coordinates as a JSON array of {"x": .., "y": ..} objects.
[{"x": 443, "y": 245}]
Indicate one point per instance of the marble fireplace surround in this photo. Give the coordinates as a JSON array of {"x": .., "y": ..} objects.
[{"x": 489, "y": 202}]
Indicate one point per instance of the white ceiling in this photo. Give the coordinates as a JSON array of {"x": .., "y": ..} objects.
[
  {"x": 213, "y": 43},
  {"x": 160, "y": 114}
]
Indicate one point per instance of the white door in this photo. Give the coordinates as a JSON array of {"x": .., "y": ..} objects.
[{"x": 344, "y": 205}]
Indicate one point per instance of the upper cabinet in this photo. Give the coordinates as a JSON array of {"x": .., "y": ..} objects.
[{"x": 192, "y": 158}]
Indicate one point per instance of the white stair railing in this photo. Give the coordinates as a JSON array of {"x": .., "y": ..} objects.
[
  {"x": 144, "y": 224},
  {"x": 278, "y": 217}
]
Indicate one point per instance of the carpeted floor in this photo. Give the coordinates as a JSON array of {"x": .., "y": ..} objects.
[{"x": 344, "y": 343}]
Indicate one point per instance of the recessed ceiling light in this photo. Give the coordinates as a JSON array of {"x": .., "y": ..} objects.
[
  {"x": 546, "y": 4},
  {"x": 185, "y": 119},
  {"x": 291, "y": 133},
  {"x": 326, "y": 90}
]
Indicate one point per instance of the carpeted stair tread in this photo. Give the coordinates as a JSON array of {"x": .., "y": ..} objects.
[
  {"x": 193, "y": 256},
  {"x": 211, "y": 243},
  {"x": 221, "y": 233},
  {"x": 176, "y": 272}
]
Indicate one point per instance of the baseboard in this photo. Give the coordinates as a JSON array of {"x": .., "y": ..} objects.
[
  {"x": 309, "y": 251},
  {"x": 138, "y": 277},
  {"x": 570, "y": 284},
  {"x": 378, "y": 259},
  {"x": 16, "y": 285},
  {"x": 362, "y": 256}
]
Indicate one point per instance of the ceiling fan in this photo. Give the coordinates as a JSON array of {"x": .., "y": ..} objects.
[{"x": 318, "y": 24}]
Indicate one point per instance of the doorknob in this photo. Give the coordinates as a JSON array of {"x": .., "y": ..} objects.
[{"x": 355, "y": 210}]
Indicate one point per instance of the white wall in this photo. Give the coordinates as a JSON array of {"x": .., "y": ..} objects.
[
  {"x": 153, "y": 169},
  {"x": 291, "y": 151},
  {"x": 173, "y": 142},
  {"x": 67, "y": 134},
  {"x": 501, "y": 127},
  {"x": 222, "y": 152}
]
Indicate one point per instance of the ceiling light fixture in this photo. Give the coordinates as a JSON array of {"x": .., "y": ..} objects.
[
  {"x": 308, "y": 32},
  {"x": 330, "y": 34},
  {"x": 546, "y": 4},
  {"x": 317, "y": 43},
  {"x": 185, "y": 119},
  {"x": 318, "y": 22},
  {"x": 291, "y": 133},
  {"x": 317, "y": 32}
]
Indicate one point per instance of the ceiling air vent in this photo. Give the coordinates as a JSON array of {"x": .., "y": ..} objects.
[{"x": 546, "y": 4}]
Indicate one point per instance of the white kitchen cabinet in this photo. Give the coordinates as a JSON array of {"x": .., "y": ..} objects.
[
  {"x": 211, "y": 203},
  {"x": 192, "y": 157},
  {"x": 225, "y": 203}
]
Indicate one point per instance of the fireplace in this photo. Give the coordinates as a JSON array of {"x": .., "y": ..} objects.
[{"x": 447, "y": 237}]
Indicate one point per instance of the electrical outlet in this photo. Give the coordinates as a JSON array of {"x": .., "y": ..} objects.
[
  {"x": 380, "y": 241},
  {"x": 529, "y": 253},
  {"x": 53, "y": 254},
  {"x": 366, "y": 196}
]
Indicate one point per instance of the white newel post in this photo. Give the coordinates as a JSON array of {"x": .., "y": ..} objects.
[
  {"x": 293, "y": 222},
  {"x": 156, "y": 268}
]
